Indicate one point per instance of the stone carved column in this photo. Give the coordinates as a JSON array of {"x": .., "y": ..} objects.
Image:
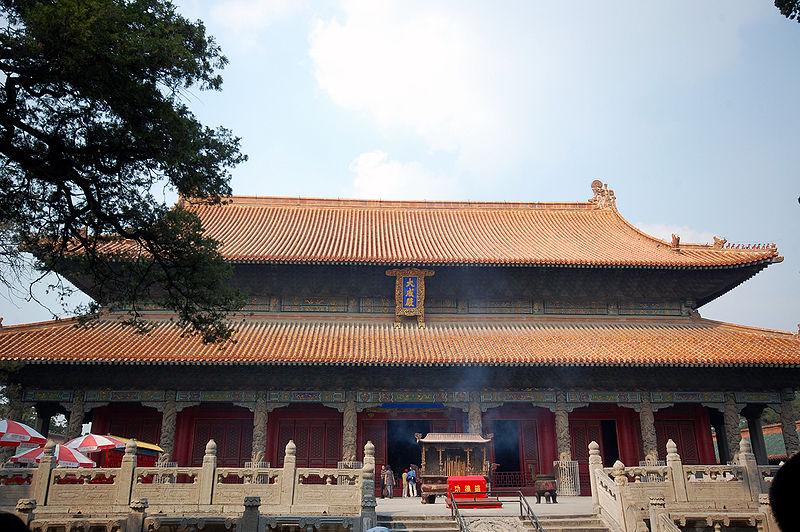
[
  {"x": 563, "y": 443},
  {"x": 732, "y": 432},
  {"x": 349, "y": 428},
  {"x": 788, "y": 419},
  {"x": 75, "y": 423},
  {"x": 475, "y": 417},
  {"x": 648, "y": 424},
  {"x": 169, "y": 417},
  {"x": 13, "y": 394},
  {"x": 260, "y": 420}
]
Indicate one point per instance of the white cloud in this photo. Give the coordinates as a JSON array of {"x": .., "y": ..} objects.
[
  {"x": 497, "y": 85},
  {"x": 689, "y": 235},
  {"x": 418, "y": 70},
  {"x": 378, "y": 177},
  {"x": 246, "y": 19}
]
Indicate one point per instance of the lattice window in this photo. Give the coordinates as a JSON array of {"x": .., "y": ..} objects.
[
  {"x": 376, "y": 305},
  {"x": 497, "y": 306},
  {"x": 657, "y": 309},
  {"x": 581, "y": 307},
  {"x": 314, "y": 304}
]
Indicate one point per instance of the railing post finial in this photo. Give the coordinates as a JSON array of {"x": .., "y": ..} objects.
[
  {"x": 131, "y": 447},
  {"x": 211, "y": 448},
  {"x": 291, "y": 448}
]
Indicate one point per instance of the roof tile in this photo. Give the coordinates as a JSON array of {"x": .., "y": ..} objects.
[
  {"x": 307, "y": 230},
  {"x": 294, "y": 340}
]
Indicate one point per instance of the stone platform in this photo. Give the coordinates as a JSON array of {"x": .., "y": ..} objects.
[{"x": 566, "y": 507}]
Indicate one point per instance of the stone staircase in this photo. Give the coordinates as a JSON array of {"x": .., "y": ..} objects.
[
  {"x": 571, "y": 523},
  {"x": 418, "y": 523},
  {"x": 430, "y": 523}
]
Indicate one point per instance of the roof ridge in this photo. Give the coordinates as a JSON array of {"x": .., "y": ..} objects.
[
  {"x": 751, "y": 328},
  {"x": 310, "y": 201},
  {"x": 719, "y": 244}
]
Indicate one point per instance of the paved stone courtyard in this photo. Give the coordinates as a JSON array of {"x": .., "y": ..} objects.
[{"x": 567, "y": 506}]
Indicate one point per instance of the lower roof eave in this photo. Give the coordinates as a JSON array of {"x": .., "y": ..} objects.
[{"x": 390, "y": 364}]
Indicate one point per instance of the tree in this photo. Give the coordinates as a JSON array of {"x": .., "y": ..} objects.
[
  {"x": 93, "y": 121},
  {"x": 789, "y": 9}
]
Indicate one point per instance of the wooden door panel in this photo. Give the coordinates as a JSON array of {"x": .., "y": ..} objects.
[
  {"x": 582, "y": 432},
  {"x": 529, "y": 446},
  {"x": 683, "y": 432}
]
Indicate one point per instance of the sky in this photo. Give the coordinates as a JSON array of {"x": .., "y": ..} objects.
[{"x": 688, "y": 110}]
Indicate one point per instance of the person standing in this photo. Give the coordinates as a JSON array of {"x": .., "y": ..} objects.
[
  {"x": 412, "y": 482},
  {"x": 388, "y": 481},
  {"x": 382, "y": 480},
  {"x": 405, "y": 484}
]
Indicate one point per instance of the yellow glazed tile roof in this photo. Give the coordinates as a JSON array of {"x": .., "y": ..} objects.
[
  {"x": 308, "y": 230},
  {"x": 330, "y": 340}
]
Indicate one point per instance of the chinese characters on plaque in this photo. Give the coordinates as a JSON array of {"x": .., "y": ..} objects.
[{"x": 409, "y": 293}]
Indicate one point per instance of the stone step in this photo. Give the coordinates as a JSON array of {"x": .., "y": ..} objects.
[
  {"x": 571, "y": 523},
  {"x": 418, "y": 523}
]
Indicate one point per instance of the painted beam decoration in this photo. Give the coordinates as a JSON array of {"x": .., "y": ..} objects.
[{"x": 409, "y": 293}]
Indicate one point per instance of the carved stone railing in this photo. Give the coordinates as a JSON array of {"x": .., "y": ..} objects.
[
  {"x": 609, "y": 499},
  {"x": 15, "y": 484},
  {"x": 628, "y": 497},
  {"x": 50, "y": 497},
  {"x": 766, "y": 474}
]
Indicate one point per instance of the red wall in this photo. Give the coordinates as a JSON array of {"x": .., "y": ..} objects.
[{"x": 129, "y": 420}]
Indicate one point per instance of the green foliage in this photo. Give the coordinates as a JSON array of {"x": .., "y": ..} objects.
[
  {"x": 92, "y": 122},
  {"x": 789, "y": 9},
  {"x": 769, "y": 416},
  {"x": 58, "y": 423}
]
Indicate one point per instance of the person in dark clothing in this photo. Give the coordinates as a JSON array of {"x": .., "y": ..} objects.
[
  {"x": 783, "y": 495},
  {"x": 12, "y": 523}
]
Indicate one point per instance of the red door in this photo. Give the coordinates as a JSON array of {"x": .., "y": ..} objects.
[
  {"x": 683, "y": 433},
  {"x": 232, "y": 436},
  {"x": 581, "y": 433},
  {"x": 375, "y": 431},
  {"x": 318, "y": 442},
  {"x": 529, "y": 440}
]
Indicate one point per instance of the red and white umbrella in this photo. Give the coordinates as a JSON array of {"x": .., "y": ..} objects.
[
  {"x": 64, "y": 456},
  {"x": 89, "y": 443},
  {"x": 12, "y": 433}
]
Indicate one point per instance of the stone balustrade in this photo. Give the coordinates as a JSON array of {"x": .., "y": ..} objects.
[
  {"x": 628, "y": 497},
  {"x": 130, "y": 498},
  {"x": 15, "y": 484}
]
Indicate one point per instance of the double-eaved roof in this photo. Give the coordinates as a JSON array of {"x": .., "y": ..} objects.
[
  {"x": 329, "y": 340},
  {"x": 333, "y": 231},
  {"x": 324, "y": 231}
]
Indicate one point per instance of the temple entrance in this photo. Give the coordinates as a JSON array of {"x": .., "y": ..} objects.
[
  {"x": 614, "y": 428},
  {"x": 522, "y": 446},
  {"x": 402, "y": 447},
  {"x": 391, "y": 430},
  {"x": 506, "y": 445}
]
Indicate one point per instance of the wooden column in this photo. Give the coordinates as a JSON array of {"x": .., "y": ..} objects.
[
  {"x": 169, "y": 417},
  {"x": 648, "y": 426},
  {"x": 75, "y": 422},
  {"x": 563, "y": 443},
  {"x": 260, "y": 420},
  {"x": 752, "y": 414},
  {"x": 349, "y": 430},
  {"x": 718, "y": 422},
  {"x": 788, "y": 418},
  {"x": 732, "y": 432}
]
